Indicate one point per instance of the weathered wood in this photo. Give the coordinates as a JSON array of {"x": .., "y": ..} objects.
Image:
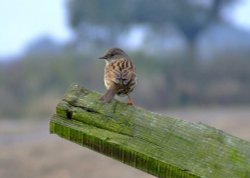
[{"x": 157, "y": 144}]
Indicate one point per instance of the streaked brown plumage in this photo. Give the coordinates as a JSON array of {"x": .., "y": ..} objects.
[{"x": 119, "y": 75}]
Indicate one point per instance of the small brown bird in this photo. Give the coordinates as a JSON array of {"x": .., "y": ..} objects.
[{"x": 119, "y": 75}]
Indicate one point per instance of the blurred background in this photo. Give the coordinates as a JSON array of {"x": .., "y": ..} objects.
[{"x": 192, "y": 59}]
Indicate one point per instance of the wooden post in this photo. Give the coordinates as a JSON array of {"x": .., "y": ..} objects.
[{"x": 154, "y": 143}]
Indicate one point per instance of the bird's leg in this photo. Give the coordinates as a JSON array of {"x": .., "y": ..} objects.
[{"x": 130, "y": 102}]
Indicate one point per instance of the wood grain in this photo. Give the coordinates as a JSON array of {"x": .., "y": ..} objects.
[{"x": 154, "y": 143}]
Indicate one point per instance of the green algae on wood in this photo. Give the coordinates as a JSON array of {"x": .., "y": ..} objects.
[{"x": 157, "y": 144}]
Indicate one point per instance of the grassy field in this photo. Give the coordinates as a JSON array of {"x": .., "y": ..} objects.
[{"x": 27, "y": 150}]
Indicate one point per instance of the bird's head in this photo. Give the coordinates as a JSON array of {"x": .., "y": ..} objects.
[{"x": 114, "y": 54}]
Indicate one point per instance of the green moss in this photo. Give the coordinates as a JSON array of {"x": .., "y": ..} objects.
[
  {"x": 86, "y": 136},
  {"x": 159, "y": 145}
]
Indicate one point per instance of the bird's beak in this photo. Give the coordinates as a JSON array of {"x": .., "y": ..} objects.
[{"x": 103, "y": 57}]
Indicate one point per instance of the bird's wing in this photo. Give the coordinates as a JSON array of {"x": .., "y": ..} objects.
[{"x": 128, "y": 72}]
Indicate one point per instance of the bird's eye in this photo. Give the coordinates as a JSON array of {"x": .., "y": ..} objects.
[{"x": 112, "y": 54}]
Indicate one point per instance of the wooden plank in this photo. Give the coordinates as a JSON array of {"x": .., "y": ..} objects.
[{"x": 154, "y": 143}]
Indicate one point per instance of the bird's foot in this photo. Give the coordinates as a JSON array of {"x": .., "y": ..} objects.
[{"x": 130, "y": 102}]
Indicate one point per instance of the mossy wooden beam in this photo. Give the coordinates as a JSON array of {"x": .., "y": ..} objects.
[{"x": 157, "y": 144}]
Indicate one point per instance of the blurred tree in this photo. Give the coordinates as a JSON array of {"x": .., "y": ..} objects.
[{"x": 190, "y": 17}]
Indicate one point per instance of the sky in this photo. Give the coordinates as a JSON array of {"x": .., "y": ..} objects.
[
  {"x": 240, "y": 14},
  {"x": 22, "y": 21}
]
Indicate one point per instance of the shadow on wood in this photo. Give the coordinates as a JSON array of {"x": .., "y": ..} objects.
[{"x": 157, "y": 144}]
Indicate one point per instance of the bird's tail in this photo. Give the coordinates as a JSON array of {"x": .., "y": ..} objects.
[{"x": 108, "y": 95}]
